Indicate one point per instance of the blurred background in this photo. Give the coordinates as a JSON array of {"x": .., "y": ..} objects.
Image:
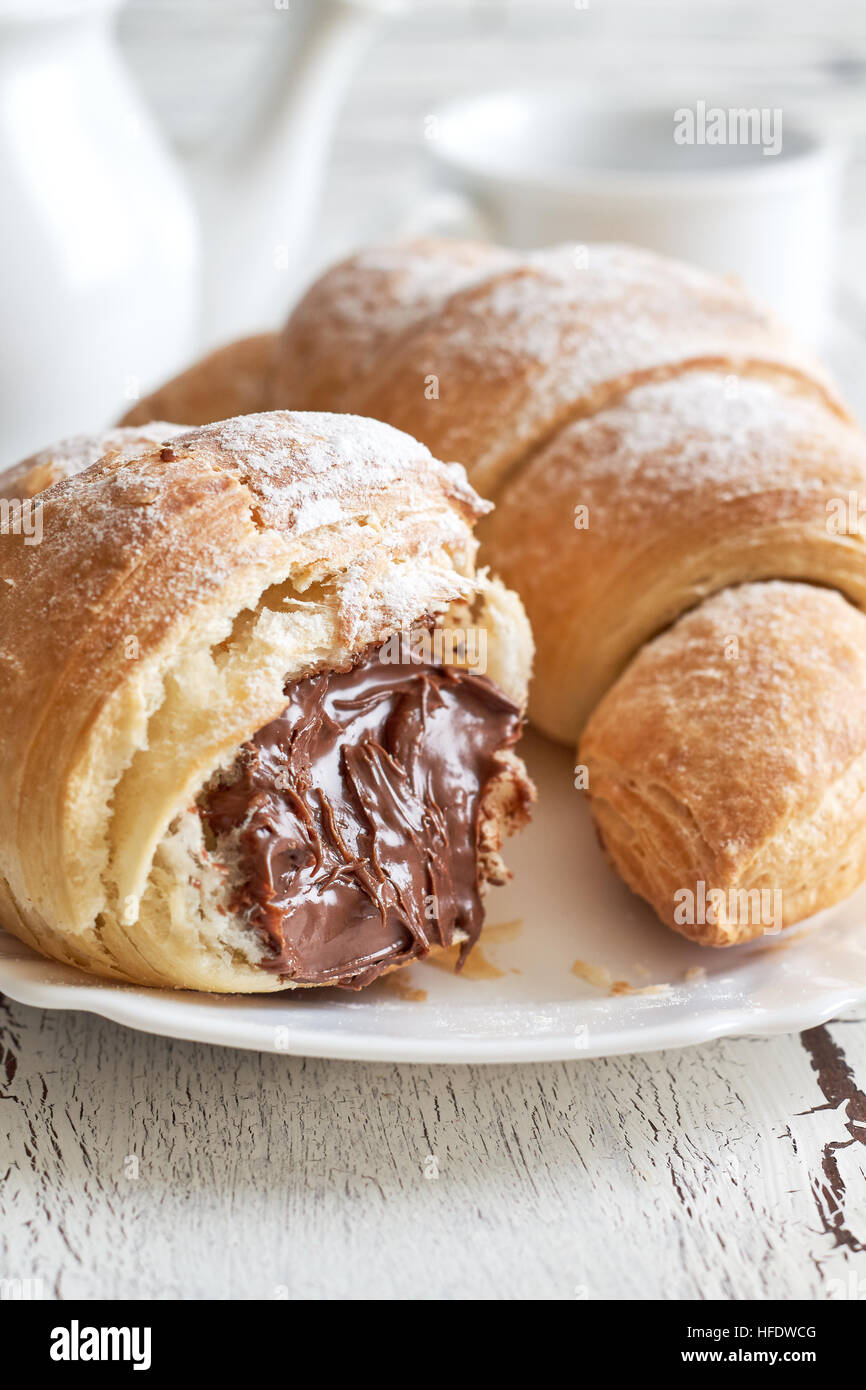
[
  {"x": 304, "y": 128},
  {"x": 198, "y": 61}
]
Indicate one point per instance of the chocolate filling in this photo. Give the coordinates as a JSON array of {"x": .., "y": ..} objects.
[{"x": 357, "y": 814}]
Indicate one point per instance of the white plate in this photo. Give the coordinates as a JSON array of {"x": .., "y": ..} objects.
[{"x": 571, "y": 907}]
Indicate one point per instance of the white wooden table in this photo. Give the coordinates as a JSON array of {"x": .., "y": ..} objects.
[{"x": 134, "y": 1166}]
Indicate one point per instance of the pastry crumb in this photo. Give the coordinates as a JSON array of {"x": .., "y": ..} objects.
[
  {"x": 599, "y": 978},
  {"x": 623, "y": 987},
  {"x": 593, "y": 974}
]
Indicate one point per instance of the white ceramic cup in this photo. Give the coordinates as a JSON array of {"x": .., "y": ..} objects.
[{"x": 531, "y": 168}]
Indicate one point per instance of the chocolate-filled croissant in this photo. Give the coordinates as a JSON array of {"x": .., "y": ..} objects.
[{"x": 259, "y": 709}]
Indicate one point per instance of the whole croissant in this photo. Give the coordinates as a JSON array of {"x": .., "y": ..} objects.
[{"x": 677, "y": 494}]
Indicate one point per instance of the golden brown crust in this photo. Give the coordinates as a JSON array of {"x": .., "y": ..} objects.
[
  {"x": 504, "y": 362},
  {"x": 632, "y": 516},
  {"x": 732, "y": 753},
  {"x": 152, "y": 631},
  {"x": 484, "y": 354},
  {"x": 361, "y": 307}
]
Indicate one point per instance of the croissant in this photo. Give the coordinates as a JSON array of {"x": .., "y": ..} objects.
[
  {"x": 728, "y": 762},
  {"x": 248, "y": 742},
  {"x": 661, "y": 454}
]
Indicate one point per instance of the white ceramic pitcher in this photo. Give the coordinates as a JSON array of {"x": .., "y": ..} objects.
[{"x": 105, "y": 246}]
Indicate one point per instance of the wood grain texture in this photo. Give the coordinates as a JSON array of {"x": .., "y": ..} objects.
[{"x": 727, "y": 1172}]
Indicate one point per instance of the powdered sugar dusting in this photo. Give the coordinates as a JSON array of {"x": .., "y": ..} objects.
[
  {"x": 792, "y": 693},
  {"x": 315, "y": 469},
  {"x": 737, "y": 436},
  {"x": 624, "y": 309},
  {"x": 77, "y": 452},
  {"x": 360, "y": 306},
  {"x": 557, "y": 336},
  {"x": 383, "y": 290}
]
